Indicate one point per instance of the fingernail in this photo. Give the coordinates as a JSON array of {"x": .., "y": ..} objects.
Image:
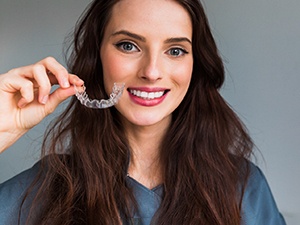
[
  {"x": 65, "y": 83},
  {"x": 22, "y": 103},
  {"x": 45, "y": 99}
]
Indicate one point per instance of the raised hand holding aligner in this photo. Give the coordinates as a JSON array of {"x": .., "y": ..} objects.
[{"x": 114, "y": 97}]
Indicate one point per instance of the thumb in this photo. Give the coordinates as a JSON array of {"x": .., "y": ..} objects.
[{"x": 58, "y": 96}]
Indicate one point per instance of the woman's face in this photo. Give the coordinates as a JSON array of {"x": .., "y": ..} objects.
[{"x": 147, "y": 45}]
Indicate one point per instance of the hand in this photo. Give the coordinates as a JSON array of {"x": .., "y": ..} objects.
[{"x": 25, "y": 97}]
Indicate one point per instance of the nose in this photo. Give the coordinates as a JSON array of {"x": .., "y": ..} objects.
[{"x": 152, "y": 67}]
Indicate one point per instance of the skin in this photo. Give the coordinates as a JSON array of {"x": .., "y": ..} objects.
[
  {"x": 147, "y": 45},
  {"x": 26, "y": 99},
  {"x": 140, "y": 48}
]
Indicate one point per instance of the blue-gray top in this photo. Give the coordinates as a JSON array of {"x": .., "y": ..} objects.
[{"x": 259, "y": 207}]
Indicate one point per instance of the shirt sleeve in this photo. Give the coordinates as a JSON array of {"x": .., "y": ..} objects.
[{"x": 258, "y": 206}]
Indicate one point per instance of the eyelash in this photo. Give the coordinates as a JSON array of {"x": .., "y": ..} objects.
[
  {"x": 121, "y": 45},
  {"x": 183, "y": 51}
]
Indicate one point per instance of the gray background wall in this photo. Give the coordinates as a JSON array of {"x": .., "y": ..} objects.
[{"x": 260, "y": 43}]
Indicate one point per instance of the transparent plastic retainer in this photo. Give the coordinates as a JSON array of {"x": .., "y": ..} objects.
[{"x": 114, "y": 97}]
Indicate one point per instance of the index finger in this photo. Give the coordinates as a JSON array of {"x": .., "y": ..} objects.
[{"x": 55, "y": 68}]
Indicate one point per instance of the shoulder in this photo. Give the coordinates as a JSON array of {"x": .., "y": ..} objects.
[
  {"x": 12, "y": 193},
  {"x": 259, "y": 206}
]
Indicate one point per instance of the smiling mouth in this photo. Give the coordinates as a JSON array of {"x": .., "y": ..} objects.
[{"x": 148, "y": 95}]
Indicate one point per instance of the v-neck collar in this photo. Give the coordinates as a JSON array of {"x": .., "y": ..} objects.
[
  {"x": 148, "y": 201},
  {"x": 157, "y": 189}
]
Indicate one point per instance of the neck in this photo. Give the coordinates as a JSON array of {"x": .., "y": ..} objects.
[{"x": 145, "y": 165}]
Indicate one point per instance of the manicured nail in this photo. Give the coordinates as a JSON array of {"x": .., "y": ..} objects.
[
  {"x": 65, "y": 83},
  {"x": 45, "y": 99}
]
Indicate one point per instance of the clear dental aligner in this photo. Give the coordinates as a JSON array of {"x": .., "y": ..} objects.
[{"x": 114, "y": 97}]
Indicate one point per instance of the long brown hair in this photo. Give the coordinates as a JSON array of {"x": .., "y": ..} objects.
[{"x": 203, "y": 154}]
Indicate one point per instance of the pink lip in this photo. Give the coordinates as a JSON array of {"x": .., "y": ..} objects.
[
  {"x": 148, "y": 89},
  {"x": 147, "y": 102}
]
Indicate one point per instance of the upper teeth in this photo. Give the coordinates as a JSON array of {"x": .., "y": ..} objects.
[{"x": 147, "y": 95}]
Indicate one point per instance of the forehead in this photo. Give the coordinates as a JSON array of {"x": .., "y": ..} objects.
[{"x": 158, "y": 16}]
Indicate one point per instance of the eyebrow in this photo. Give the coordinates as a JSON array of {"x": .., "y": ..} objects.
[
  {"x": 141, "y": 38},
  {"x": 127, "y": 33},
  {"x": 179, "y": 39}
]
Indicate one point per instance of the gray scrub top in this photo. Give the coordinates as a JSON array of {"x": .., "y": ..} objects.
[{"x": 258, "y": 206}]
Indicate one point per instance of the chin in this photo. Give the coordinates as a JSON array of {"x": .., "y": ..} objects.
[{"x": 146, "y": 121}]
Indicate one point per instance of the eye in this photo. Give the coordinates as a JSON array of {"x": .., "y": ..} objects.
[
  {"x": 127, "y": 47},
  {"x": 176, "y": 52}
]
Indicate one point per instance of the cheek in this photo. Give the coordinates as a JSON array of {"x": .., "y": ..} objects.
[
  {"x": 184, "y": 74},
  {"x": 114, "y": 70},
  {"x": 111, "y": 67}
]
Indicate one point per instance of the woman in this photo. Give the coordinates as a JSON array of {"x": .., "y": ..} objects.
[{"x": 170, "y": 152}]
